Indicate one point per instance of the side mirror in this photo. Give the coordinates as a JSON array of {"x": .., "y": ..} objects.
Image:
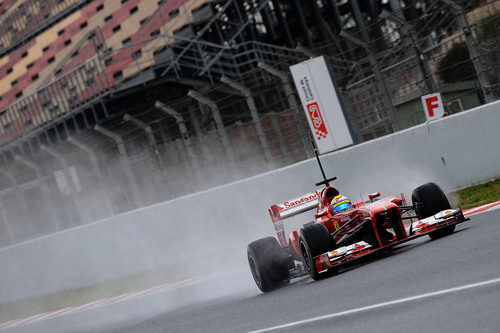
[{"x": 373, "y": 196}]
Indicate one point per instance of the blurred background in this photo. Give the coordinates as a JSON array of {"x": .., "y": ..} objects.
[{"x": 108, "y": 106}]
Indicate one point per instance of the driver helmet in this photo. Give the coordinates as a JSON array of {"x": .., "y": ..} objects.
[{"x": 339, "y": 204}]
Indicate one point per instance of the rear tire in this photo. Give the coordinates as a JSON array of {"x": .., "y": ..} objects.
[
  {"x": 268, "y": 263},
  {"x": 314, "y": 240},
  {"x": 428, "y": 199}
]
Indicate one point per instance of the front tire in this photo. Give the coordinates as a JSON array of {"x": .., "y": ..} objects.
[
  {"x": 268, "y": 263},
  {"x": 314, "y": 240},
  {"x": 428, "y": 199}
]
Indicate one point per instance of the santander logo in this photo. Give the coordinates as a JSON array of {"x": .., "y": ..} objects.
[{"x": 298, "y": 201}]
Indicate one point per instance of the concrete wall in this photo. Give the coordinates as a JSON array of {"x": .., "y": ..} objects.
[{"x": 455, "y": 152}]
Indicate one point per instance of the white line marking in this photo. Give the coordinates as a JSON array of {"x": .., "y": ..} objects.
[
  {"x": 110, "y": 300},
  {"x": 480, "y": 209},
  {"x": 379, "y": 305}
]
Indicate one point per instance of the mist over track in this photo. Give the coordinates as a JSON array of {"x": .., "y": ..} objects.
[{"x": 217, "y": 224}]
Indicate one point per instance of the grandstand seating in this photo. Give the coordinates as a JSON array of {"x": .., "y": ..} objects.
[{"x": 71, "y": 42}]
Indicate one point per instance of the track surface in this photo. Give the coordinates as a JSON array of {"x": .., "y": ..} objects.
[{"x": 425, "y": 271}]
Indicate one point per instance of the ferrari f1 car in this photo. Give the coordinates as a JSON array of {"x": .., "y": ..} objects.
[{"x": 320, "y": 247}]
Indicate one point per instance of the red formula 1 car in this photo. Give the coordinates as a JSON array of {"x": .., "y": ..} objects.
[{"x": 321, "y": 246}]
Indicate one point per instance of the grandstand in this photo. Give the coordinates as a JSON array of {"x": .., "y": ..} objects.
[{"x": 81, "y": 138}]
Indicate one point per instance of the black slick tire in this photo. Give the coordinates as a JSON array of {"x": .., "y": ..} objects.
[
  {"x": 268, "y": 263},
  {"x": 428, "y": 199},
  {"x": 314, "y": 240}
]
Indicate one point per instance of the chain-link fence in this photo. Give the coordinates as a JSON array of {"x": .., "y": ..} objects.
[
  {"x": 195, "y": 143},
  {"x": 459, "y": 59}
]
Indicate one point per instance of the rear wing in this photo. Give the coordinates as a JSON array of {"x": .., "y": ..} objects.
[
  {"x": 293, "y": 207},
  {"x": 290, "y": 208}
]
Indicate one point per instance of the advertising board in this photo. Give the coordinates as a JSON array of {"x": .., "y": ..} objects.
[{"x": 322, "y": 103}]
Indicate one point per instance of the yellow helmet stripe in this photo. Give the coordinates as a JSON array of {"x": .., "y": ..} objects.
[{"x": 340, "y": 203}]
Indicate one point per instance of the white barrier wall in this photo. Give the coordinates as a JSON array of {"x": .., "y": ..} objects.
[{"x": 455, "y": 152}]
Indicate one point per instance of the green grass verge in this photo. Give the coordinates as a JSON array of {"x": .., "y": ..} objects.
[{"x": 479, "y": 195}]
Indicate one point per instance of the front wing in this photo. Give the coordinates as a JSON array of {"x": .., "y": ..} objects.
[{"x": 414, "y": 230}]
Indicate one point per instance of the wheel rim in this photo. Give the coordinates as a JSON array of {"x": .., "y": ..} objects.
[
  {"x": 420, "y": 209},
  {"x": 253, "y": 269},
  {"x": 305, "y": 255}
]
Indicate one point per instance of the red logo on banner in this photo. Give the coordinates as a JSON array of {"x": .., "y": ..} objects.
[{"x": 317, "y": 120}]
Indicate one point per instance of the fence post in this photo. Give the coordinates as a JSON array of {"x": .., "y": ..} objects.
[
  {"x": 8, "y": 231},
  {"x": 219, "y": 124},
  {"x": 277, "y": 128},
  {"x": 406, "y": 30},
  {"x": 365, "y": 44},
  {"x": 181, "y": 124},
  {"x": 41, "y": 182},
  {"x": 97, "y": 170},
  {"x": 136, "y": 197},
  {"x": 19, "y": 197},
  {"x": 64, "y": 164},
  {"x": 199, "y": 134},
  {"x": 254, "y": 113},
  {"x": 463, "y": 24},
  {"x": 152, "y": 142},
  {"x": 377, "y": 73},
  {"x": 498, "y": 62},
  {"x": 292, "y": 102}
]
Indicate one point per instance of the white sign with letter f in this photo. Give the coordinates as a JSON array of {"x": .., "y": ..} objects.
[{"x": 433, "y": 106}]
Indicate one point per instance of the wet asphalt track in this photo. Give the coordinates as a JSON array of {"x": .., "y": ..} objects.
[{"x": 232, "y": 303}]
